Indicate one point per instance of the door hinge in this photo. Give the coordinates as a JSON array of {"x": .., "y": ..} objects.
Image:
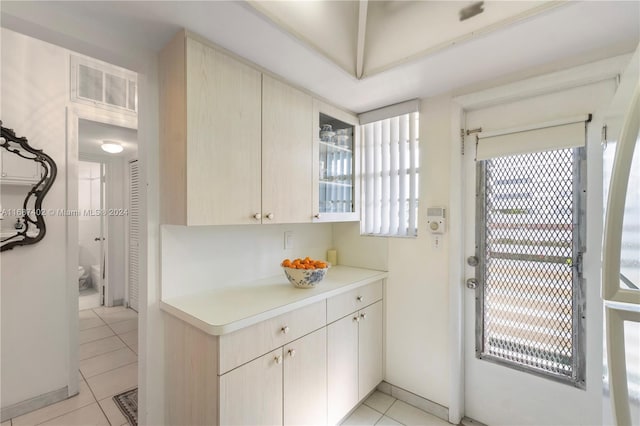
[{"x": 461, "y": 141}]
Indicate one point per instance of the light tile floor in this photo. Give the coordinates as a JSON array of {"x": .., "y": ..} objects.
[
  {"x": 108, "y": 366},
  {"x": 383, "y": 409}
]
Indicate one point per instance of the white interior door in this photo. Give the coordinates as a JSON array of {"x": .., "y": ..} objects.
[
  {"x": 621, "y": 267},
  {"x": 524, "y": 360}
]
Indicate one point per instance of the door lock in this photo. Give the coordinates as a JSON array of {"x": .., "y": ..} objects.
[{"x": 472, "y": 283}]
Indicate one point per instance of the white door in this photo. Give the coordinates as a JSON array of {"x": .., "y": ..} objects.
[
  {"x": 621, "y": 254},
  {"x": 527, "y": 361},
  {"x": 133, "y": 260}
]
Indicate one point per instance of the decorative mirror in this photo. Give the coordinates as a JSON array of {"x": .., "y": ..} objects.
[{"x": 27, "y": 176}]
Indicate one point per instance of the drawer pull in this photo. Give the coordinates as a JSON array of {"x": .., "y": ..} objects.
[
  {"x": 356, "y": 318},
  {"x": 292, "y": 352},
  {"x": 285, "y": 329},
  {"x": 359, "y": 298},
  {"x": 363, "y": 315},
  {"x": 278, "y": 359}
]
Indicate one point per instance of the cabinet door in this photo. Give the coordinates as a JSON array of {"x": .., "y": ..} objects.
[
  {"x": 335, "y": 174},
  {"x": 305, "y": 380},
  {"x": 252, "y": 394},
  {"x": 286, "y": 153},
  {"x": 224, "y": 138},
  {"x": 16, "y": 168},
  {"x": 370, "y": 349},
  {"x": 342, "y": 367}
]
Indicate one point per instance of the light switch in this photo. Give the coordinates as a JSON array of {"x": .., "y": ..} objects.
[{"x": 288, "y": 239}]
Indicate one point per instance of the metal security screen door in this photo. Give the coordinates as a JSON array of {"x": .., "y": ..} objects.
[{"x": 529, "y": 299}]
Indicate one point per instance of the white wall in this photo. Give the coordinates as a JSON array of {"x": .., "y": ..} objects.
[
  {"x": 34, "y": 292},
  {"x": 201, "y": 258}
]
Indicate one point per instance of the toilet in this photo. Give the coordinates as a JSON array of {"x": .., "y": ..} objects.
[
  {"x": 95, "y": 275},
  {"x": 82, "y": 278}
]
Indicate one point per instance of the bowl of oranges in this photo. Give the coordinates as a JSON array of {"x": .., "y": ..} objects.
[{"x": 304, "y": 273}]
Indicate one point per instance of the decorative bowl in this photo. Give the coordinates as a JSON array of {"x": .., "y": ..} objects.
[{"x": 305, "y": 278}]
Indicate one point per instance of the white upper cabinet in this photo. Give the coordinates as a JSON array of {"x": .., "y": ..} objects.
[
  {"x": 335, "y": 167},
  {"x": 286, "y": 153},
  {"x": 210, "y": 137}
]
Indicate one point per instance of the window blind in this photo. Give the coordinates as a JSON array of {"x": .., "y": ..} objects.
[
  {"x": 558, "y": 134},
  {"x": 390, "y": 176}
]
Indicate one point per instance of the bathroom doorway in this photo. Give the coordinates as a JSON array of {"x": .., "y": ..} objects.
[{"x": 104, "y": 188}]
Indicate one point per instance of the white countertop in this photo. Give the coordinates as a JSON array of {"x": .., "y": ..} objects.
[{"x": 229, "y": 309}]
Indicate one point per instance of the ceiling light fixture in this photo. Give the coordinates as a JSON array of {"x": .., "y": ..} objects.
[{"x": 111, "y": 147}]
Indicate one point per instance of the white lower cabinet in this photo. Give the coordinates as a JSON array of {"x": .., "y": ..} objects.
[
  {"x": 305, "y": 380},
  {"x": 252, "y": 393},
  {"x": 354, "y": 365},
  {"x": 292, "y": 369},
  {"x": 342, "y": 367},
  {"x": 287, "y": 386}
]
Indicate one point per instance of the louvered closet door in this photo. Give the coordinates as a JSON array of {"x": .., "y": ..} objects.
[{"x": 134, "y": 233}]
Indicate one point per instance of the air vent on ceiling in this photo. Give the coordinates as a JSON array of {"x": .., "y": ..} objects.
[
  {"x": 472, "y": 10},
  {"x": 103, "y": 85}
]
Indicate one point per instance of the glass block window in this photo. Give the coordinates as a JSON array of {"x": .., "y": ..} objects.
[{"x": 529, "y": 233}]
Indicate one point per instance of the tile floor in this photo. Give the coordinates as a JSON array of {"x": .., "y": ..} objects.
[
  {"x": 383, "y": 409},
  {"x": 108, "y": 366}
]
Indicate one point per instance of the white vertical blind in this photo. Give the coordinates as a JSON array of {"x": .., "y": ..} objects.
[{"x": 390, "y": 176}]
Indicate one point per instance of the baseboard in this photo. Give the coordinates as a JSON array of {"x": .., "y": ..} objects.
[
  {"x": 466, "y": 421},
  {"x": 118, "y": 302},
  {"x": 33, "y": 404},
  {"x": 417, "y": 401}
]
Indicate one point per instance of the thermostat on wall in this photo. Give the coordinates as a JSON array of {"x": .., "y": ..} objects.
[{"x": 436, "y": 220}]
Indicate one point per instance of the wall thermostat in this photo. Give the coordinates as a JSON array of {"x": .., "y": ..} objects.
[{"x": 436, "y": 220}]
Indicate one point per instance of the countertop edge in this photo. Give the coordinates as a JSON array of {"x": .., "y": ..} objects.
[{"x": 220, "y": 329}]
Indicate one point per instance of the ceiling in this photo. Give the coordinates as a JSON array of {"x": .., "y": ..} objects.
[
  {"x": 367, "y": 37},
  {"x": 564, "y": 34},
  {"x": 91, "y": 134}
]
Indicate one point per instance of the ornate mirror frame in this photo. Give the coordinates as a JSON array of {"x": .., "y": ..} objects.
[{"x": 32, "y": 214}]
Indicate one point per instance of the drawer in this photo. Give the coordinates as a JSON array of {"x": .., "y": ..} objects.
[
  {"x": 251, "y": 342},
  {"x": 347, "y": 303}
]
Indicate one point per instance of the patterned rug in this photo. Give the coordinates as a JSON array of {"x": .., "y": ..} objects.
[{"x": 128, "y": 404}]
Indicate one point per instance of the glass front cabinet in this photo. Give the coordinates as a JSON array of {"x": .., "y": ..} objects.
[{"x": 335, "y": 165}]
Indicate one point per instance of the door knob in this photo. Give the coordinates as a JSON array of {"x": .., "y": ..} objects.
[
  {"x": 292, "y": 352},
  {"x": 356, "y": 318},
  {"x": 317, "y": 215},
  {"x": 359, "y": 298},
  {"x": 257, "y": 216},
  {"x": 472, "y": 283},
  {"x": 285, "y": 329},
  {"x": 472, "y": 261},
  {"x": 363, "y": 315},
  {"x": 269, "y": 216},
  {"x": 278, "y": 359}
]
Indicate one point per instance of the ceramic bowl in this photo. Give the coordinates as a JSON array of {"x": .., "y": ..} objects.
[{"x": 304, "y": 278}]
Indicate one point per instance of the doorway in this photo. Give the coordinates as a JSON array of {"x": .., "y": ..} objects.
[
  {"x": 104, "y": 213},
  {"x": 535, "y": 288}
]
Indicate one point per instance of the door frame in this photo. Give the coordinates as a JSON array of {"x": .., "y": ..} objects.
[
  {"x": 74, "y": 113},
  {"x": 541, "y": 85}
]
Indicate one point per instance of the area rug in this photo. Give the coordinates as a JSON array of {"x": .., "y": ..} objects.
[{"x": 128, "y": 404}]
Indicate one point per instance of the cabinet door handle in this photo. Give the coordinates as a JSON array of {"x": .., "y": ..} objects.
[
  {"x": 285, "y": 329},
  {"x": 363, "y": 315},
  {"x": 359, "y": 298},
  {"x": 291, "y": 352},
  {"x": 356, "y": 318},
  {"x": 317, "y": 215},
  {"x": 278, "y": 359},
  {"x": 257, "y": 216},
  {"x": 269, "y": 216}
]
